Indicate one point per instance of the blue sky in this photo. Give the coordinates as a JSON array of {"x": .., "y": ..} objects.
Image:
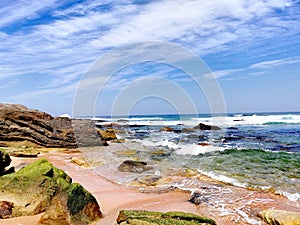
[{"x": 252, "y": 47}]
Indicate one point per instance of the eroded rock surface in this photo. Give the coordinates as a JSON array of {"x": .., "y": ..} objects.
[{"x": 19, "y": 124}]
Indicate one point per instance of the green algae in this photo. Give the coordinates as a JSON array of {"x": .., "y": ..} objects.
[{"x": 158, "y": 218}]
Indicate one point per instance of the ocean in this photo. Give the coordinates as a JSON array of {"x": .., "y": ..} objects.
[{"x": 252, "y": 150}]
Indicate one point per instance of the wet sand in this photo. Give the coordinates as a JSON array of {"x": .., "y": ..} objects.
[{"x": 227, "y": 204}]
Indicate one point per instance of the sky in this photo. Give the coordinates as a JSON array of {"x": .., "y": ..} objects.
[{"x": 251, "y": 47}]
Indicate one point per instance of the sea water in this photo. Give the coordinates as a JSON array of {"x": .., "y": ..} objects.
[{"x": 260, "y": 150}]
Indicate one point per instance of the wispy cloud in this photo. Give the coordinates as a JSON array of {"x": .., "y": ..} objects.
[
  {"x": 274, "y": 63},
  {"x": 58, "y": 40}
]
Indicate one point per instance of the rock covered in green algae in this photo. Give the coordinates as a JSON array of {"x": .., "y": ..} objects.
[
  {"x": 281, "y": 217},
  {"x": 138, "y": 217},
  {"x": 41, "y": 187}
]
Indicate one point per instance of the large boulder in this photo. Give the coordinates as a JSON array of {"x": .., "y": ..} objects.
[
  {"x": 20, "y": 124},
  {"x": 41, "y": 187},
  {"x": 158, "y": 218},
  {"x": 281, "y": 217}
]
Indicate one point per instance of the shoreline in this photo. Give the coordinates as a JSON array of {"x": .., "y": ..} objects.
[{"x": 227, "y": 203}]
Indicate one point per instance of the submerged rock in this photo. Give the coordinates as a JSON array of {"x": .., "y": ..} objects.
[
  {"x": 41, "y": 187},
  {"x": 133, "y": 166},
  {"x": 148, "y": 180},
  {"x": 281, "y": 217},
  {"x": 137, "y": 217},
  {"x": 202, "y": 126}
]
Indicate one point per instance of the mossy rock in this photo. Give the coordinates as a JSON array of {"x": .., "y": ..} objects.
[
  {"x": 40, "y": 187},
  {"x": 139, "y": 217}
]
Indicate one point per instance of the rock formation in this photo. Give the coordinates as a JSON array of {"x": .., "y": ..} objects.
[
  {"x": 158, "y": 218},
  {"x": 20, "y": 124},
  {"x": 41, "y": 187}
]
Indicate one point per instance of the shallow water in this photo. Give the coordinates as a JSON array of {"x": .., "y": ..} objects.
[{"x": 258, "y": 151}]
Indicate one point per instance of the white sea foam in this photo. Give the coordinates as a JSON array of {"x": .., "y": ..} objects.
[
  {"x": 263, "y": 120},
  {"x": 223, "y": 178},
  {"x": 194, "y": 149},
  {"x": 292, "y": 197}
]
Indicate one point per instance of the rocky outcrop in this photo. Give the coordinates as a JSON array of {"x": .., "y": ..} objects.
[
  {"x": 20, "y": 124},
  {"x": 158, "y": 218},
  {"x": 86, "y": 134},
  {"x": 133, "y": 166},
  {"x": 41, "y": 187},
  {"x": 281, "y": 217},
  {"x": 5, "y": 161},
  {"x": 202, "y": 126}
]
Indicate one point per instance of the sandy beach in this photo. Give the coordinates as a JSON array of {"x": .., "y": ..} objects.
[{"x": 228, "y": 204}]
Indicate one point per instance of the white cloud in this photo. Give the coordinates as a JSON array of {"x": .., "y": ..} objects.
[
  {"x": 274, "y": 63},
  {"x": 62, "y": 49},
  {"x": 22, "y": 9}
]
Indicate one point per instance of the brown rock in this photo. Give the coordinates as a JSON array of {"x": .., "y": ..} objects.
[
  {"x": 5, "y": 209},
  {"x": 19, "y": 123}
]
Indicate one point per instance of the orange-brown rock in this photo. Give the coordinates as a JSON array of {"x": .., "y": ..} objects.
[{"x": 19, "y": 124}]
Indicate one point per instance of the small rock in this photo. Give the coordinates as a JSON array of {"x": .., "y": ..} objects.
[
  {"x": 5, "y": 209},
  {"x": 80, "y": 161},
  {"x": 198, "y": 198}
]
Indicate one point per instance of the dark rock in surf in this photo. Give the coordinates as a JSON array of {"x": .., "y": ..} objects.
[
  {"x": 198, "y": 198},
  {"x": 202, "y": 126}
]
